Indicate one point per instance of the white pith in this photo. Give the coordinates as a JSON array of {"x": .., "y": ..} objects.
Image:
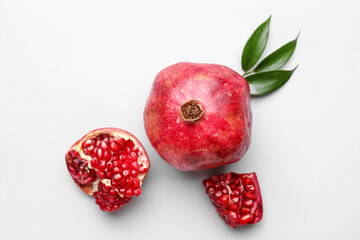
[
  {"x": 142, "y": 160},
  {"x": 230, "y": 192}
]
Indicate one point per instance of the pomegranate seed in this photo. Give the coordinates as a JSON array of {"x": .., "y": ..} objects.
[
  {"x": 137, "y": 192},
  {"x": 71, "y": 168},
  {"x": 134, "y": 173},
  {"x": 135, "y": 165},
  {"x": 124, "y": 166},
  {"x": 136, "y": 183},
  {"x": 211, "y": 191},
  {"x": 115, "y": 147},
  {"x": 130, "y": 144},
  {"x": 245, "y": 210},
  {"x": 233, "y": 215},
  {"x": 99, "y": 153},
  {"x": 102, "y": 165},
  {"x": 248, "y": 203},
  {"x": 249, "y": 195},
  {"x": 129, "y": 192},
  {"x": 119, "y": 141},
  {"x": 218, "y": 194},
  {"x": 87, "y": 143},
  {"x": 89, "y": 150},
  {"x": 98, "y": 142},
  {"x": 107, "y": 156},
  {"x": 117, "y": 177},
  {"x": 142, "y": 169},
  {"x": 250, "y": 187},
  {"x": 104, "y": 145}
]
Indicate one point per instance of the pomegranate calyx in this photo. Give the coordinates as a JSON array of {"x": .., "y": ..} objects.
[{"x": 191, "y": 111}]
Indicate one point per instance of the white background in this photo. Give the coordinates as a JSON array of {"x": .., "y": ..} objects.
[{"x": 67, "y": 67}]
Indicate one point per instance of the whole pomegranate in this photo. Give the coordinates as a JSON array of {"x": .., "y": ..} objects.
[
  {"x": 110, "y": 164},
  {"x": 198, "y": 116}
]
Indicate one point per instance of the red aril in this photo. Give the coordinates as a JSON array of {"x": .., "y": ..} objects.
[
  {"x": 198, "y": 116},
  {"x": 236, "y": 197},
  {"x": 110, "y": 164}
]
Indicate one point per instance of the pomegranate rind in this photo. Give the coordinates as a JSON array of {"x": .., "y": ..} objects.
[{"x": 258, "y": 214}]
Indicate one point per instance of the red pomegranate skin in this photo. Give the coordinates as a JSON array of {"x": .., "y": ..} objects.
[{"x": 222, "y": 134}]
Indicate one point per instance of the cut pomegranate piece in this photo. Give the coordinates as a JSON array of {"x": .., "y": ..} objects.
[
  {"x": 110, "y": 164},
  {"x": 236, "y": 197}
]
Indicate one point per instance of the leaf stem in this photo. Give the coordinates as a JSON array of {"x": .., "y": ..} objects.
[{"x": 247, "y": 73}]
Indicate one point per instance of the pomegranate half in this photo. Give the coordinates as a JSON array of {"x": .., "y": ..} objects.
[
  {"x": 198, "y": 116},
  {"x": 109, "y": 164}
]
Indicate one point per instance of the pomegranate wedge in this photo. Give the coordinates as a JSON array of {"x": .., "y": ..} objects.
[{"x": 236, "y": 197}]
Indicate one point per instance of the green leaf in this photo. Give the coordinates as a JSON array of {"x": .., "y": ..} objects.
[
  {"x": 278, "y": 58},
  {"x": 266, "y": 82},
  {"x": 255, "y": 46}
]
